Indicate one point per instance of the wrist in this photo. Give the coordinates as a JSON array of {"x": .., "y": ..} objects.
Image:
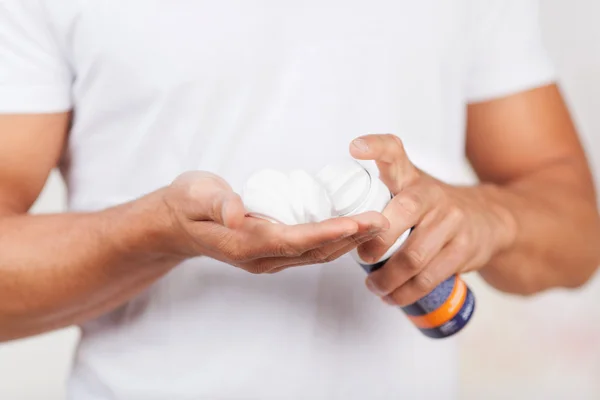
[
  {"x": 502, "y": 219},
  {"x": 143, "y": 228}
]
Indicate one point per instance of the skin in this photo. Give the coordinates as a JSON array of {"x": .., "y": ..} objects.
[
  {"x": 534, "y": 219},
  {"x": 64, "y": 269},
  {"x": 531, "y": 225}
]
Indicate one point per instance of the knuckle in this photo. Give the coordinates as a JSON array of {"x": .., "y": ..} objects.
[
  {"x": 200, "y": 180},
  {"x": 275, "y": 270},
  {"x": 280, "y": 246},
  {"x": 461, "y": 243},
  {"x": 254, "y": 270},
  {"x": 331, "y": 257},
  {"x": 319, "y": 255},
  {"x": 415, "y": 259},
  {"x": 260, "y": 267},
  {"x": 397, "y": 142},
  {"x": 230, "y": 246},
  {"x": 379, "y": 283},
  {"x": 193, "y": 190},
  {"x": 455, "y": 214},
  {"x": 194, "y": 184},
  {"x": 185, "y": 179},
  {"x": 287, "y": 250},
  {"x": 438, "y": 193},
  {"x": 479, "y": 260},
  {"x": 398, "y": 298},
  {"x": 410, "y": 202},
  {"x": 424, "y": 282},
  {"x": 236, "y": 255}
]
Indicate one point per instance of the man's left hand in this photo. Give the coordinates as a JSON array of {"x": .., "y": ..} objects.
[{"x": 456, "y": 229}]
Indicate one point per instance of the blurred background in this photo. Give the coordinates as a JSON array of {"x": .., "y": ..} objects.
[{"x": 546, "y": 347}]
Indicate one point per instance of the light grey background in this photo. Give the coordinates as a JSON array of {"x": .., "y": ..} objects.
[{"x": 543, "y": 348}]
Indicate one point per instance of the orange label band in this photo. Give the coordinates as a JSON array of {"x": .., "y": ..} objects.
[{"x": 446, "y": 312}]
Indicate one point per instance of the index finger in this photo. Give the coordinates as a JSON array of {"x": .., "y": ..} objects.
[
  {"x": 295, "y": 240},
  {"x": 387, "y": 150}
]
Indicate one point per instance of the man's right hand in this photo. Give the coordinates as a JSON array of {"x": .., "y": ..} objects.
[{"x": 209, "y": 219}]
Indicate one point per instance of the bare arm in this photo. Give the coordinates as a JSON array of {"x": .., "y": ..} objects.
[
  {"x": 527, "y": 147},
  {"x": 58, "y": 270}
]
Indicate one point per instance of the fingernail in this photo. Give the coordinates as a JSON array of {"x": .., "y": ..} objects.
[
  {"x": 224, "y": 212},
  {"x": 389, "y": 301},
  {"x": 364, "y": 239},
  {"x": 376, "y": 229},
  {"x": 361, "y": 145},
  {"x": 347, "y": 234},
  {"x": 373, "y": 288},
  {"x": 366, "y": 257}
]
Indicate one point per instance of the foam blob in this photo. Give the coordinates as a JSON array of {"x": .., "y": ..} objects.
[{"x": 294, "y": 198}]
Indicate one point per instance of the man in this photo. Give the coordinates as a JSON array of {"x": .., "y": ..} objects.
[{"x": 156, "y": 112}]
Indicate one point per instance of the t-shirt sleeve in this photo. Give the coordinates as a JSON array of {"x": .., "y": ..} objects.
[
  {"x": 507, "y": 54},
  {"x": 34, "y": 76}
]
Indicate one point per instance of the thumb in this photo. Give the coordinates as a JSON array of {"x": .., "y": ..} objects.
[
  {"x": 232, "y": 211},
  {"x": 395, "y": 168},
  {"x": 207, "y": 197}
]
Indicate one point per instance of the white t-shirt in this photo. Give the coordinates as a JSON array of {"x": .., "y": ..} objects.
[{"x": 231, "y": 86}]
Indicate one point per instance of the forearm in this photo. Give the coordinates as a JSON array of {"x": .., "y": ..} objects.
[
  {"x": 557, "y": 240},
  {"x": 58, "y": 270}
]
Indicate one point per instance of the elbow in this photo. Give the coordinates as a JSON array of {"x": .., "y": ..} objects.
[
  {"x": 529, "y": 288},
  {"x": 21, "y": 322},
  {"x": 12, "y": 328},
  {"x": 12, "y": 324},
  {"x": 580, "y": 278},
  {"x": 573, "y": 277},
  {"x": 578, "y": 273},
  {"x": 515, "y": 284},
  {"x": 8, "y": 330},
  {"x": 11, "y": 320},
  {"x": 572, "y": 268},
  {"x": 16, "y": 323},
  {"x": 581, "y": 271},
  {"x": 580, "y": 266}
]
